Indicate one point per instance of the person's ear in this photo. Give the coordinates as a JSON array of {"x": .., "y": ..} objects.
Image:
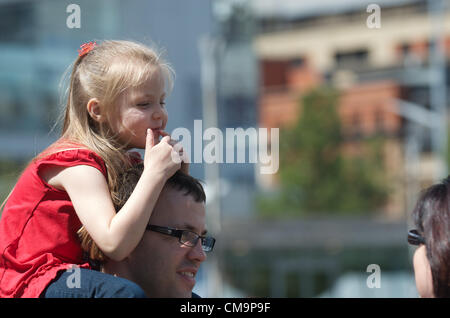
[{"x": 94, "y": 110}]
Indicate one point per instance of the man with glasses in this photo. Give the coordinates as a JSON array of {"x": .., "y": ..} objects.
[{"x": 166, "y": 261}]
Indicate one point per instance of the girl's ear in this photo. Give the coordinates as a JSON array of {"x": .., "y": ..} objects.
[{"x": 94, "y": 110}]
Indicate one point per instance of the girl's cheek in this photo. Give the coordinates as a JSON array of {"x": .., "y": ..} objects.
[{"x": 166, "y": 118}]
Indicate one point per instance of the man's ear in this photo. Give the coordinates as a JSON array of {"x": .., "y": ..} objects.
[{"x": 94, "y": 110}]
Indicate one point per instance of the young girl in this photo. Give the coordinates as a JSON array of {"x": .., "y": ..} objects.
[{"x": 115, "y": 103}]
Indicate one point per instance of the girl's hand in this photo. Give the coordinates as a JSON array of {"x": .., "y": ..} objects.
[
  {"x": 161, "y": 158},
  {"x": 177, "y": 147}
]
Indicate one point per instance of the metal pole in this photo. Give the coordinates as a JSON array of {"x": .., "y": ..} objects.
[
  {"x": 412, "y": 156},
  {"x": 208, "y": 59},
  {"x": 419, "y": 118}
]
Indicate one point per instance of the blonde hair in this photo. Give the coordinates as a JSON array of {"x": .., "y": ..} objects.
[{"x": 104, "y": 73}]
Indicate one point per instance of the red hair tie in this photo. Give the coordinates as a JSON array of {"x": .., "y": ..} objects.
[{"x": 86, "y": 48}]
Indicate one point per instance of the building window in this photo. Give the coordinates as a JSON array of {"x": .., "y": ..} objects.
[
  {"x": 405, "y": 48},
  {"x": 274, "y": 73},
  {"x": 379, "y": 120},
  {"x": 352, "y": 60},
  {"x": 297, "y": 62},
  {"x": 17, "y": 23},
  {"x": 355, "y": 125}
]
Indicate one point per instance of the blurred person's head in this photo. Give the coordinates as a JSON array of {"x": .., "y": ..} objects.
[
  {"x": 161, "y": 264},
  {"x": 432, "y": 258}
]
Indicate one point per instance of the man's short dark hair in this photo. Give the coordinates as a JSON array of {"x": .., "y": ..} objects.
[{"x": 179, "y": 181}]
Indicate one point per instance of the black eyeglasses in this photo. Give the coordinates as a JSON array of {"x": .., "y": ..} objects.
[
  {"x": 415, "y": 238},
  {"x": 185, "y": 237}
]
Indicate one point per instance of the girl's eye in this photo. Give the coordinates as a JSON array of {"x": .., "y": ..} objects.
[{"x": 148, "y": 104}]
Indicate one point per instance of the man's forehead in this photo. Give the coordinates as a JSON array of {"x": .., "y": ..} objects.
[{"x": 177, "y": 209}]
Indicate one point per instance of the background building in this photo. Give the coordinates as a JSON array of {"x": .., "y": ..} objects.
[{"x": 299, "y": 49}]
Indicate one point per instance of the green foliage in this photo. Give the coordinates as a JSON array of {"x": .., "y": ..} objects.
[
  {"x": 9, "y": 173},
  {"x": 314, "y": 174}
]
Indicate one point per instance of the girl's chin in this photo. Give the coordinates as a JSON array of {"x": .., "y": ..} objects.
[{"x": 140, "y": 144}]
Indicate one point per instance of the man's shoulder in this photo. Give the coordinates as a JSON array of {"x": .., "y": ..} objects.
[{"x": 194, "y": 295}]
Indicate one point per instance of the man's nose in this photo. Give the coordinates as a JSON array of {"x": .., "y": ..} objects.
[{"x": 197, "y": 252}]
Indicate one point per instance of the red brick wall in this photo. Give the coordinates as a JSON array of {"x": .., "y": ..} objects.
[{"x": 365, "y": 108}]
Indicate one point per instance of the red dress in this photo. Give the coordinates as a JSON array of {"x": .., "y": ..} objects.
[{"x": 38, "y": 228}]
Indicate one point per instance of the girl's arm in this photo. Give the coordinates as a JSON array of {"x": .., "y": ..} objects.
[{"x": 117, "y": 234}]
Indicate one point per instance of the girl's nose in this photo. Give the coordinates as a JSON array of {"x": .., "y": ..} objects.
[{"x": 157, "y": 115}]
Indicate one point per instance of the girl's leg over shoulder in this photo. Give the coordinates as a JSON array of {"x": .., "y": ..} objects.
[{"x": 86, "y": 283}]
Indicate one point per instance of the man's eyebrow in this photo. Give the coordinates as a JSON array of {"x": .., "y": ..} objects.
[{"x": 193, "y": 229}]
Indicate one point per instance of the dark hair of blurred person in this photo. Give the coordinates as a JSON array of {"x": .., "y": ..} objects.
[{"x": 432, "y": 219}]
